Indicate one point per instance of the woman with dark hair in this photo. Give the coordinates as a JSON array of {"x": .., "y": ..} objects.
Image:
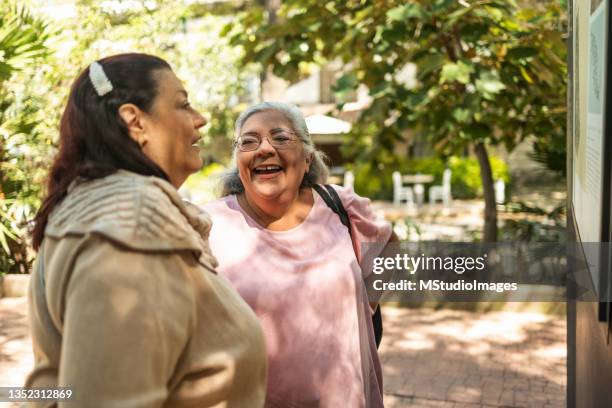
[{"x": 126, "y": 307}]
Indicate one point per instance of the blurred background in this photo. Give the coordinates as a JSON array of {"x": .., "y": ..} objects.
[{"x": 449, "y": 114}]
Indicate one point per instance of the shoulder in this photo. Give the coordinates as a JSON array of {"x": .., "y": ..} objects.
[
  {"x": 222, "y": 209},
  {"x": 219, "y": 203},
  {"x": 96, "y": 255},
  {"x": 139, "y": 212},
  {"x": 96, "y": 271},
  {"x": 350, "y": 199},
  {"x": 367, "y": 223},
  {"x": 227, "y": 218}
]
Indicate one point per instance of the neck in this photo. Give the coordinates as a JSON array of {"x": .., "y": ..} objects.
[
  {"x": 279, "y": 213},
  {"x": 176, "y": 180}
]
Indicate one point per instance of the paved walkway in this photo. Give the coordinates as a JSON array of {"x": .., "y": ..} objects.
[
  {"x": 459, "y": 359},
  {"x": 15, "y": 346},
  {"x": 431, "y": 358}
]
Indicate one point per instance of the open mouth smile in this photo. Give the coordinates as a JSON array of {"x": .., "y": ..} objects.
[
  {"x": 195, "y": 142},
  {"x": 267, "y": 169}
]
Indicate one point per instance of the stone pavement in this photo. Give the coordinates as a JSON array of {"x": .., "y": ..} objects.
[
  {"x": 15, "y": 345},
  {"x": 431, "y": 358},
  {"x": 460, "y": 359}
]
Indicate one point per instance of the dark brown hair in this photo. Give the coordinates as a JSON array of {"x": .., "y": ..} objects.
[{"x": 94, "y": 140}]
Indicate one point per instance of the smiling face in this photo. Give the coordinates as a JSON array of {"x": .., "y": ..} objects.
[
  {"x": 269, "y": 173},
  {"x": 170, "y": 130}
]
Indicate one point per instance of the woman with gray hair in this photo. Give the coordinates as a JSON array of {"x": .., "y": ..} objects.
[
  {"x": 318, "y": 171},
  {"x": 294, "y": 262}
]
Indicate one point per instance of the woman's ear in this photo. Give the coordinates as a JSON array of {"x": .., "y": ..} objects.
[
  {"x": 133, "y": 118},
  {"x": 309, "y": 159}
]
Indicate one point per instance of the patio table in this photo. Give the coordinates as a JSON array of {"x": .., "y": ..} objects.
[{"x": 418, "y": 180}]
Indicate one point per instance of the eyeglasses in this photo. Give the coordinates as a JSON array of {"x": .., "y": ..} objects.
[{"x": 282, "y": 139}]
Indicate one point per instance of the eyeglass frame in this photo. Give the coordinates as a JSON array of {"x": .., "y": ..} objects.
[{"x": 289, "y": 144}]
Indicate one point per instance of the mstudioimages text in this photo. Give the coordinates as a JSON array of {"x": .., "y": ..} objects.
[{"x": 405, "y": 285}]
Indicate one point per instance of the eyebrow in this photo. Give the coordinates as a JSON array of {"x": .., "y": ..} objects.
[
  {"x": 273, "y": 130},
  {"x": 250, "y": 134}
]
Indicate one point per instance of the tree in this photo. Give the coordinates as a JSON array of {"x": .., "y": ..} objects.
[
  {"x": 488, "y": 72},
  {"x": 22, "y": 41},
  {"x": 42, "y": 62},
  {"x": 186, "y": 34}
]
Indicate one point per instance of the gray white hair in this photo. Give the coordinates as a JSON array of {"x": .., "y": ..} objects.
[{"x": 318, "y": 171}]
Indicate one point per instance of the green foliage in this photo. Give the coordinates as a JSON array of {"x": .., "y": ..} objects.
[
  {"x": 504, "y": 68},
  {"x": 210, "y": 171},
  {"x": 549, "y": 151},
  {"x": 372, "y": 182},
  {"x": 45, "y": 61},
  {"x": 465, "y": 177},
  {"x": 489, "y": 72},
  {"x": 459, "y": 72},
  {"x": 204, "y": 186},
  {"x": 23, "y": 41},
  {"x": 466, "y": 181},
  {"x": 188, "y": 37},
  {"x": 535, "y": 225},
  {"x": 22, "y": 38}
]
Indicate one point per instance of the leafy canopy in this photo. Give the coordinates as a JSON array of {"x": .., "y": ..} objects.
[{"x": 488, "y": 71}]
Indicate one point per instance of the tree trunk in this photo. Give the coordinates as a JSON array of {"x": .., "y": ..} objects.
[{"x": 486, "y": 176}]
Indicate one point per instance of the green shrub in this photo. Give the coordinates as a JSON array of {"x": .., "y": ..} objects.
[
  {"x": 377, "y": 184},
  {"x": 23, "y": 43},
  {"x": 373, "y": 183},
  {"x": 465, "y": 179},
  {"x": 203, "y": 186}
]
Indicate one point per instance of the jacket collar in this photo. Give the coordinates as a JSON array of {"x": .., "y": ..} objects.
[{"x": 143, "y": 213}]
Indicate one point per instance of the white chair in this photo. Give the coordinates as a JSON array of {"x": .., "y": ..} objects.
[
  {"x": 500, "y": 191},
  {"x": 400, "y": 192},
  {"x": 442, "y": 192},
  {"x": 419, "y": 192},
  {"x": 349, "y": 179}
]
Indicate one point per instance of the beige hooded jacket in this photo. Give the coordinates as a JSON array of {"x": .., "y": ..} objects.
[{"x": 127, "y": 311}]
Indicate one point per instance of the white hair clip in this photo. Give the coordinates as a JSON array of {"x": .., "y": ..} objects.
[{"x": 99, "y": 80}]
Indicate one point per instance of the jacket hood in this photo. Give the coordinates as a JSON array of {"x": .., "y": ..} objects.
[{"x": 143, "y": 213}]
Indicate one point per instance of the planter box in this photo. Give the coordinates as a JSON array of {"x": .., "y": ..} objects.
[{"x": 14, "y": 285}]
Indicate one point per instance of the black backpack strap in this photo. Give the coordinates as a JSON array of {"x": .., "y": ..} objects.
[
  {"x": 377, "y": 325},
  {"x": 344, "y": 217},
  {"x": 333, "y": 201},
  {"x": 324, "y": 194}
]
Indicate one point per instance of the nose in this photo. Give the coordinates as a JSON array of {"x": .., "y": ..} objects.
[
  {"x": 265, "y": 148},
  {"x": 199, "y": 120}
]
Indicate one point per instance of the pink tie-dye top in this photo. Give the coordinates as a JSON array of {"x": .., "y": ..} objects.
[{"x": 307, "y": 289}]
